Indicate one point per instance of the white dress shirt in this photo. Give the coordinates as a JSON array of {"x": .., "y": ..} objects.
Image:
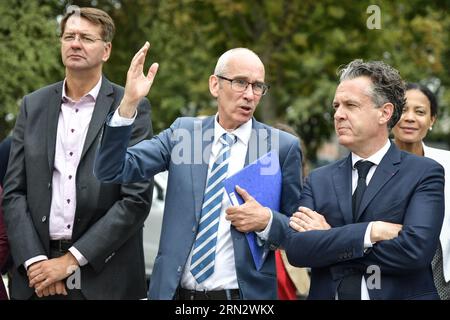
[
  {"x": 443, "y": 157},
  {"x": 375, "y": 159}
]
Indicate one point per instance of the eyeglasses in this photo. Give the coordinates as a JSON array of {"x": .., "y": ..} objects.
[
  {"x": 83, "y": 38},
  {"x": 240, "y": 85}
]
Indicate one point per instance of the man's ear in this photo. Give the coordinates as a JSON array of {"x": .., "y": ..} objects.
[
  {"x": 214, "y": 86},
  {"x": 107, "y": 52},
  {"x": 386, "y": 112}
]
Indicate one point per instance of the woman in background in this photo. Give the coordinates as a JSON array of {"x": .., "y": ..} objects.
[{"x": 419, "y": 115}]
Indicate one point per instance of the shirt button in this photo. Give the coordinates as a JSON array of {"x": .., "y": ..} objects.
[
  {"x": 68, "y": 200},
  {"x": 71, "y": 153},
  {"x": 76, "y": 110},
  {"x": 68, "y": 226},
  {"x": 70, "y": 177},
  {"x": 72, "y": 130}
]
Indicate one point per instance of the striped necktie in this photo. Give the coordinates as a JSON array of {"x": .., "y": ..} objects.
[{"x": 204, "y": 252}]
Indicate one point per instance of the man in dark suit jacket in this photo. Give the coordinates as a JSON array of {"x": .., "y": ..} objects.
[
  {"x": 378, "y": 243},
  {"x": 58, "y": 215},
  {"x": 186, "y": 150}
]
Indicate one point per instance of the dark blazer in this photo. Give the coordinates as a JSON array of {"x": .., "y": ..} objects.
[
  {"x": 5, "y": 147},
  {"x": 109, "y": 218},
  {"x": 4, "y": 248},
  {"x": 186, "y": 184},
  {"x": 404, "y": 189}
]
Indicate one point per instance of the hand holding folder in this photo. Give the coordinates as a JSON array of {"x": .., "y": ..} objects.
[{"x": 262, "y": 180}]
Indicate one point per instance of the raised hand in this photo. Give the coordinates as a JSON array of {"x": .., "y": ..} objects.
[{"x": 138, "y": 84}]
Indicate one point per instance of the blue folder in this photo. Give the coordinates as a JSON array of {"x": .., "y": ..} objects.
[{"x": 262, "y": 180}]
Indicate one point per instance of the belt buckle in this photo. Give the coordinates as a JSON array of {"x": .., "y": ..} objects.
[
  {"x": 62, "y": 243},
  {"x": 59, "y": 245}
]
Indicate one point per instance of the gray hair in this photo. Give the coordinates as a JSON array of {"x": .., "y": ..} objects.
[
  {"x": 387, "y": 85},
  {"x": 222, "y": 64}
]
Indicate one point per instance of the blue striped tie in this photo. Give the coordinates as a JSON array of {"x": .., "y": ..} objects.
[{"x": 204, "y": 252}]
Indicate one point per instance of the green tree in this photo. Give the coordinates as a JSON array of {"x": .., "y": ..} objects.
[
  {"x": 302, "y": 43},
  {"x": 29, "y": 54}
]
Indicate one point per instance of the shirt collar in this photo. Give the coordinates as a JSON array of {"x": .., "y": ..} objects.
[
  {"x": 426, "y": 150},
  {"x": 375, "y": 158},
  {"x": 242, "y": 133},
  {"x": 93, "y": 93}
]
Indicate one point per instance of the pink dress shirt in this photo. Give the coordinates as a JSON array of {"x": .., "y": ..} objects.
[{"x": 73, "y": 125}]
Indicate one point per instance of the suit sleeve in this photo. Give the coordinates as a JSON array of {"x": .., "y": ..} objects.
[
  {"x": 128, "y": 214},
  {"x": 116, "y": 163},
  {"x": 23, "y": 238},
  {"x": 291, "y": 169},
  {"x": 322, "y": 248},
  {"x": 416, "y": 244}
]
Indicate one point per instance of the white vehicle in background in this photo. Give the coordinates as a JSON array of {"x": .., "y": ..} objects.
[{"x": 153, "y": 223}]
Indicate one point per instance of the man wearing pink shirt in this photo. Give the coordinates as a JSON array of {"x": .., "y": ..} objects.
[{"x": 72, "y": 237}]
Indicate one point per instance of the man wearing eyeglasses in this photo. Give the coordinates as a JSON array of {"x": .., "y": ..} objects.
[
  {"x": 72, "y": 237},
  {"x": 203, "y": 252}
]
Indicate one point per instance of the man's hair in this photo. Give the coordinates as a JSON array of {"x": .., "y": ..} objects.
[
  {"x": 95, "y": 16},
  {"x": 222, "y": 64},
  {"x": 428, "y": 93},
  {"x": 387, "y": 85}
]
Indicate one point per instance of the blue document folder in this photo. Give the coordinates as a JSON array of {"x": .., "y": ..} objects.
[{"x": 262, "y": 180}]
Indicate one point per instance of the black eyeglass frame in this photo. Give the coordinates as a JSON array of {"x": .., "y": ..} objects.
[{"x": 265, "y": 87}]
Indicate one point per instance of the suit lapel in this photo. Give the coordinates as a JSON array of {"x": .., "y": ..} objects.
[
  {"x": 102, "y": 107},
  {"x": 204, "y": 132},
  {"x": 342, "y": 180},
  {"x": 54, "y": 108},
  {"x": 385, "y": 171},
  {"x": 199, "y": 172},
  {"x": 257, "y": 145}
]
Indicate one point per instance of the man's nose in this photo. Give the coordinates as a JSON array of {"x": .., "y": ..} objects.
[
  {"x": 76, "y": 42},
  {"x": 338, "y": 113},
  {"x": 248, "y": 92}
]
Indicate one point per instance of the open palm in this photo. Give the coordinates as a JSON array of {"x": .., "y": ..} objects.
[{"x": 138, "y": 84}]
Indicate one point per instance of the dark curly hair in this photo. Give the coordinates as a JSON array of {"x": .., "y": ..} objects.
[{"x": 387, "y": 86}]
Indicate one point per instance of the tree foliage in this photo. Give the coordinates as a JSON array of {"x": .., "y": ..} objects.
[
  {"x": 29, "y": 54},
  {"x": 302, "y": 43}
]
